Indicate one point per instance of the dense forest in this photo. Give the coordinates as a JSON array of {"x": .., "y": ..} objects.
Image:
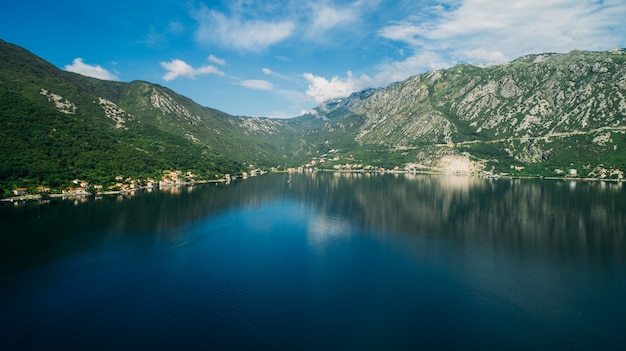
[{"x": 44, "y": 146}]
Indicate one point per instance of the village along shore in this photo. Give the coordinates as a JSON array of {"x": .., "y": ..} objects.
[
  {"x": 169, "y": 180},
  {"x": 176, "y": 179}
]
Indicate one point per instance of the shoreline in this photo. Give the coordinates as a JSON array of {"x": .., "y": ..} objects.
[
  {"x": 478, "y": 175},
  {"x": 73, "y": 196},
  {"x": 30, "y": 197}
]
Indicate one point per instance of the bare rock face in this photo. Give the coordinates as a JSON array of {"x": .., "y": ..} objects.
[
  {"x": 62, "y": 104},
  {"x": 532, "y": 98},
  {"x": 169, "y": 106},
  {"x": 112, "y": 111}
]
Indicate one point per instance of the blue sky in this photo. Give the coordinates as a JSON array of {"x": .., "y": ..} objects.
[{"x": 280, "y": 58}]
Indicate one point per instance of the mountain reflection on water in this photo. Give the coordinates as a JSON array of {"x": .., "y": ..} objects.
[{"x": 554, "y": 217}]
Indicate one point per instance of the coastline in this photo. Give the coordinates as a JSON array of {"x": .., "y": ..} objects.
[{"x": 74, "y": 196}]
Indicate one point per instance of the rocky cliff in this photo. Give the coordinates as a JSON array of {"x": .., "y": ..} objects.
[{"x": 555, "y": 109}]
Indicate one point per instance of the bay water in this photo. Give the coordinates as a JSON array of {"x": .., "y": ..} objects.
[{"x": 322, "y": 261}]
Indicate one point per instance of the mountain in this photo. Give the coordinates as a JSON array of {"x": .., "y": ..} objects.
[
  {"x": 56, "y": 126},
  {"x": 537, "y": 115}
]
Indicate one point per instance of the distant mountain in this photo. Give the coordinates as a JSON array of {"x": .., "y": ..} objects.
[
  {"x": 540, "y": 112},
  {"x": 534, "y": 115}
]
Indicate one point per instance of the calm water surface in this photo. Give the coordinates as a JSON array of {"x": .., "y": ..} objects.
[{"x": 325, "y": 262}]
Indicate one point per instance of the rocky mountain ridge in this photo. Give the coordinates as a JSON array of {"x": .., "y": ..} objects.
[{"x": 517, "y": 110}]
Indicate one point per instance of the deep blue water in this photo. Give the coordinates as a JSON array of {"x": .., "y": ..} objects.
[{"x": 325, "y": 262}]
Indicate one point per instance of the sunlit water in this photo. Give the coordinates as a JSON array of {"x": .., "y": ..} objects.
[{"x": 326, "y": 261}]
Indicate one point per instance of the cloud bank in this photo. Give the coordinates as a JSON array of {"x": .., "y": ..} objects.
[
  {"x": 441, "y": 34},
  {"x": 238, "y": 33},
  {"x": 484, "y": 31},
  {"x": 323, "y": 18}
]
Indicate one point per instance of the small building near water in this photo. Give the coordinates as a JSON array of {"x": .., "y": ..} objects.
[{"x": 20, "y": 191}]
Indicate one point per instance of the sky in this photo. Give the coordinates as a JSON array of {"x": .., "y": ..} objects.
[{"x": 280, "y": 58}]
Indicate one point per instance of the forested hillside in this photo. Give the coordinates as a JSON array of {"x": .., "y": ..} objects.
[{"x": 55, "y": 126}]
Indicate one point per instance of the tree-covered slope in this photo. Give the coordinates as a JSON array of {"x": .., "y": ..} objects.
[{"x": 57, "y": 126}]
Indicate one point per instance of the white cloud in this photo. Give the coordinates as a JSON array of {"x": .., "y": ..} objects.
[
  {"x": 483, "y": 55},
  {"x": 325, "y": 17},
  {"x": 330, "y": 22},
  {"x": 494, "y": 31},
  {"x": 179, "y": 68},
  {"x": 405, "y": 32},
  {"x": 241, "y": 34},
  {"x": 94, "y": 71},
  {"x": 321, "y": 89},
  {"x": 216, "y": 60},
  {"x": 257, "y": 84},
  {"x": 483, "y": 31},
  {"x": 269, "y": 72},
  {"x": 396, "y": 71}
]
